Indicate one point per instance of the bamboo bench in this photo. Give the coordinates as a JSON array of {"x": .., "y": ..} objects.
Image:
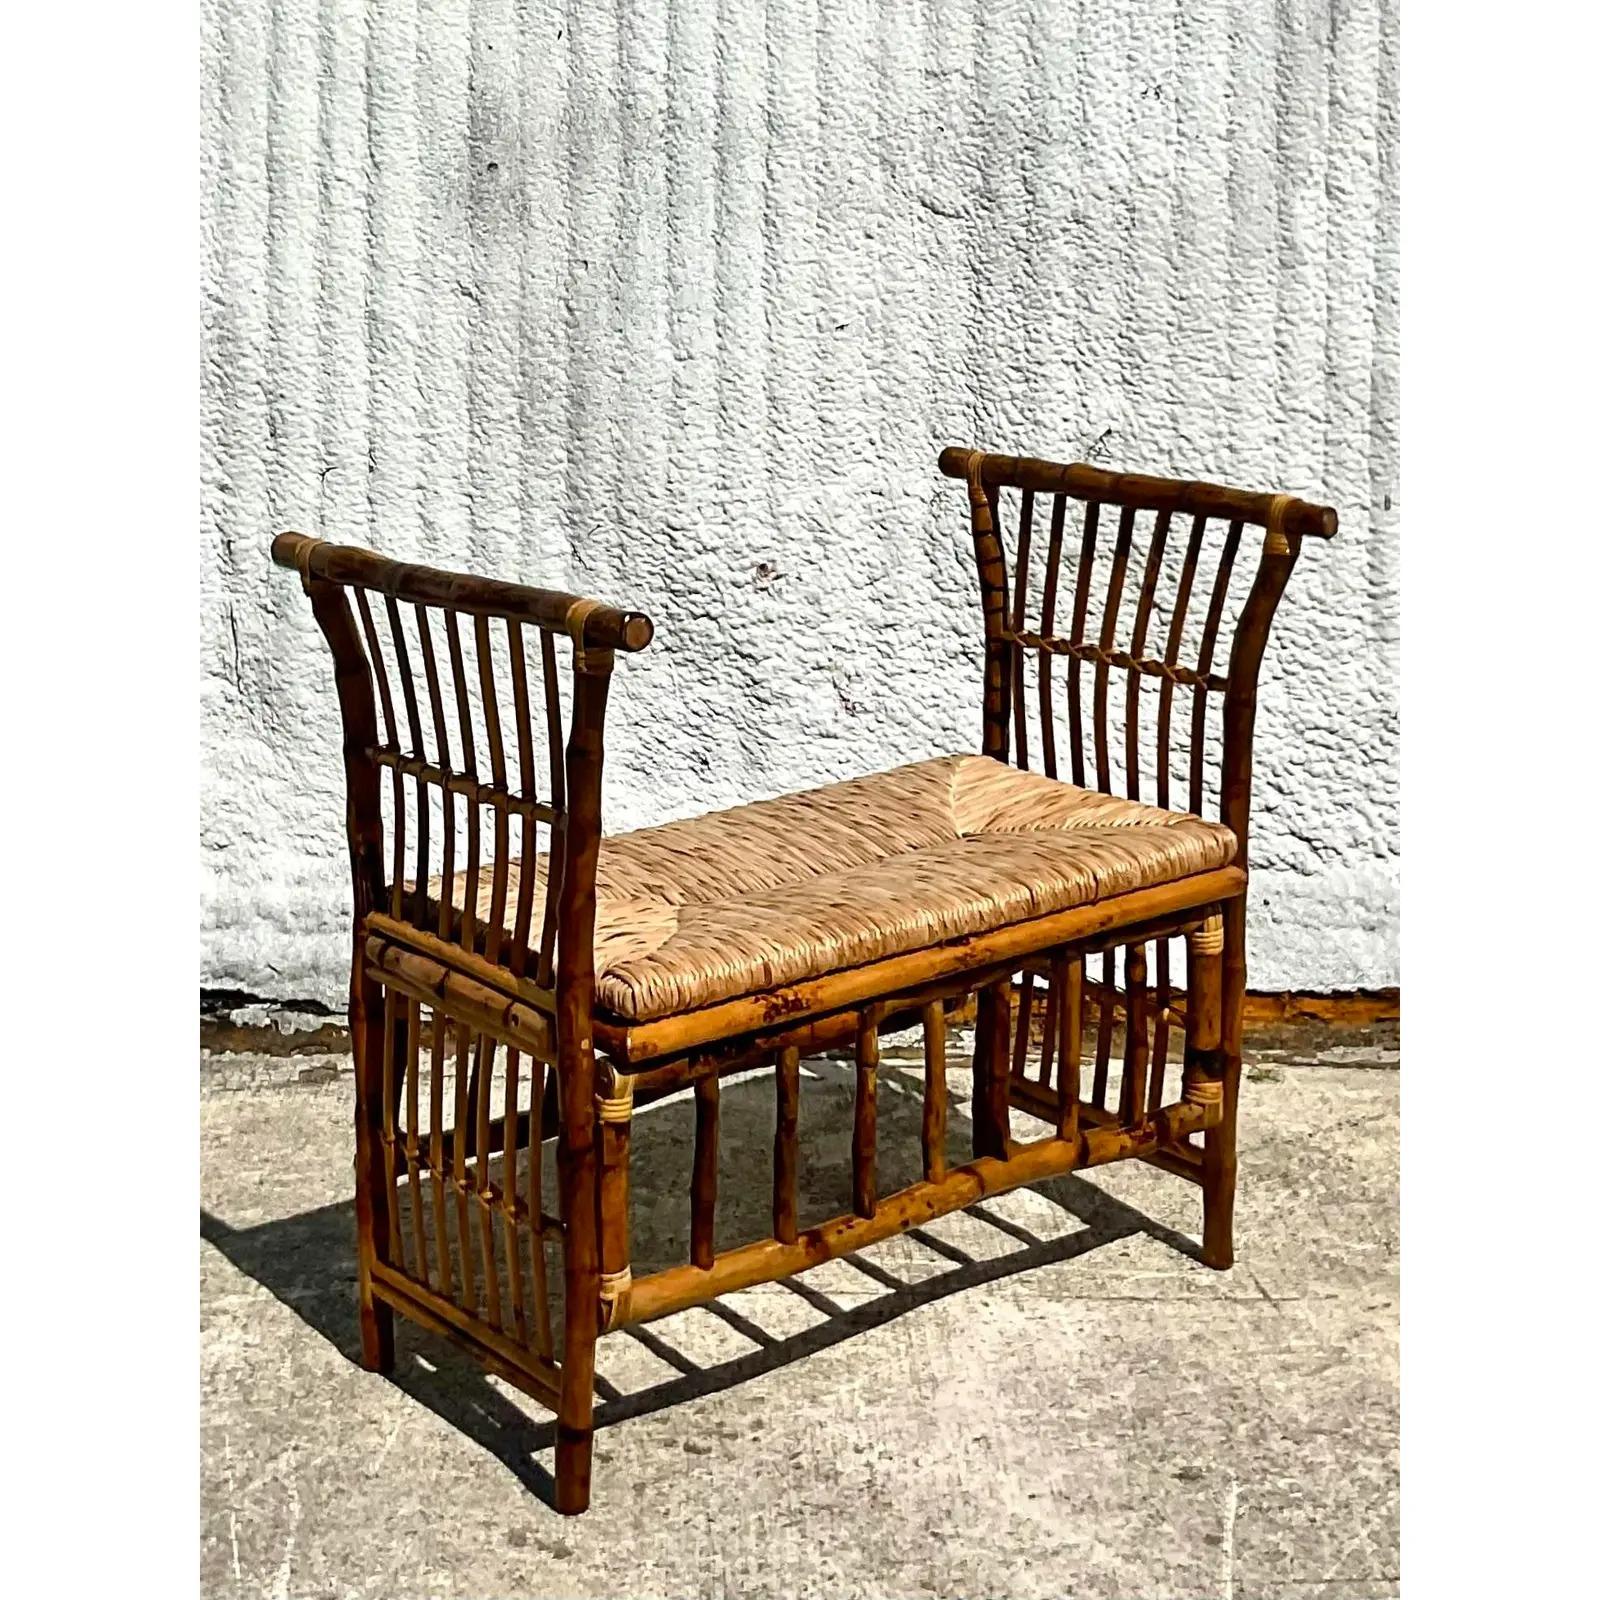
[{"x": 517, "y": 979}]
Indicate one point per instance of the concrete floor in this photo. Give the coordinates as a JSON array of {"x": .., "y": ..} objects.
[{"x": 1049, "y": 1399}]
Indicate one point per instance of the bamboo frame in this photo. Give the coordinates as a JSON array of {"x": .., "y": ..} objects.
[{"x": 437, "y": 676}]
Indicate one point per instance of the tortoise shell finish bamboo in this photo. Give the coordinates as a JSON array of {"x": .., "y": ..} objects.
[{"x": 474, "y": 718}]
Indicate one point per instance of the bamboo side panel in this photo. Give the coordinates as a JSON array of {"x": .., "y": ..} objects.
[
  {"x": 1107, "y": 1028},
  {"x": 470, "y": 1187}
]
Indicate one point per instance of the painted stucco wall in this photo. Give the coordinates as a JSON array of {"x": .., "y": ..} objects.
[{"x": 676, "y": 303}]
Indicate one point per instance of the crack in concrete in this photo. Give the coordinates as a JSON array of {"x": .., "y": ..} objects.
[{"x": 1230, "y": 1516}]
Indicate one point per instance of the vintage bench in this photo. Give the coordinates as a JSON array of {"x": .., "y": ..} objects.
[{"x": 516, "y": 978}]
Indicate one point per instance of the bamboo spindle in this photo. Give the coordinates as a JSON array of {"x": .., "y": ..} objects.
[
  {"x": 539, "y": 1080},
  {"x": 991, "y": 1102},
  {"x": 411, "y": 1025},
  {"x": 1067, "y": 979},
  {"x": 935, "y": 1103},
  {"x": 864, "y": 1142},
  {"x": 508, "y": 1196},
  {"x": 703, "y": 1192},
  {"x": 1135, "y": 1046},
  {"x": 786, "y": 1147}
]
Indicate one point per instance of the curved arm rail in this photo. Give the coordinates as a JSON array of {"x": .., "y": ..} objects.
[
  {"x": 603, "y": 626},
  {"x": 1147, "y": 494}
]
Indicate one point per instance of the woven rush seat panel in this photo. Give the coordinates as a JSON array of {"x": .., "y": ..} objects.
[{"x": 735, "y": 902}]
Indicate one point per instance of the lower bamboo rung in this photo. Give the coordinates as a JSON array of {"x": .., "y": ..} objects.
[
  {"x": 534, "y": 1374},
  {"x": 677, "y": 1288}
]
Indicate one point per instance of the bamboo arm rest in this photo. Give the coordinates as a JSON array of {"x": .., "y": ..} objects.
[
  {"x": 600, "y": 625},
  {"x": 1134, "y": 489}
]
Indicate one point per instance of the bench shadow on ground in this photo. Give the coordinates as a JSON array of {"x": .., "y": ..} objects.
[{"x": 308, "y": 1261}]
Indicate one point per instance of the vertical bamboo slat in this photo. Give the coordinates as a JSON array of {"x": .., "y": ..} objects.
[
  {"x": 1047, "y": 622},
  {"x": 380, "y": 672},
  {"x": 1019, "y": 693},
  {"x": 457, "y": 1175},
  {"x": 1180, "y": 612},
  {"x": 864, "y": 1143},
  {"x": 543, "y": 1340},
  {"x": 1108, "y": 639},
  {"x": 1162, "y": 1030},
  {"x": 1105, "y": 1022},
  {"x": 1067, "y": 978},
  {"x": 413, "y": 1027},
  {"x": 528, "y": 832},
  {"x": 935, "y": 1103},
  {"x": 1208, "y": 646},
  {"x": 391, "y": 1128},
  {"x": 419, "y": 750},
  {"x": 1080, "y": 614},
  {"x": 1135, "y": 1049},
  {"x": 1141, "y": 627},
  {"x": 554, "y": 868},
  {"x": 1049, "y": 1030},
  {"x": 991, "y": 1097},
  {"x": 990, "y": 556},
  {"x": 441, "y": 1229},
  {"x": 1023, "y": 1026},
  {"x": 703, "y": 1191},
  {"x": 441, "y": 739},
  {"x": 508, "y": 1196},
  {"x": 482, "y": 1093},
  {"x": 500, "y": 869},
  {"x": 786, "y": 1147},
  {"x": 469, "y": 768}
]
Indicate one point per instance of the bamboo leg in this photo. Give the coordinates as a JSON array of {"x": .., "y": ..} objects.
[
  {"x": 1219, "y": 1158},
  {"x": 616, "y": 1128},
  {"x": 373, "y": 1218},
  {"x": 1204, "y": 1075},
  {"x": 575, "y": 1157},
  {"x": 580, "y": 1180}
]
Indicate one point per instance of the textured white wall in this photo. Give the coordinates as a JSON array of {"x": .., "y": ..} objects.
[{"x": 676, "y": 303}]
